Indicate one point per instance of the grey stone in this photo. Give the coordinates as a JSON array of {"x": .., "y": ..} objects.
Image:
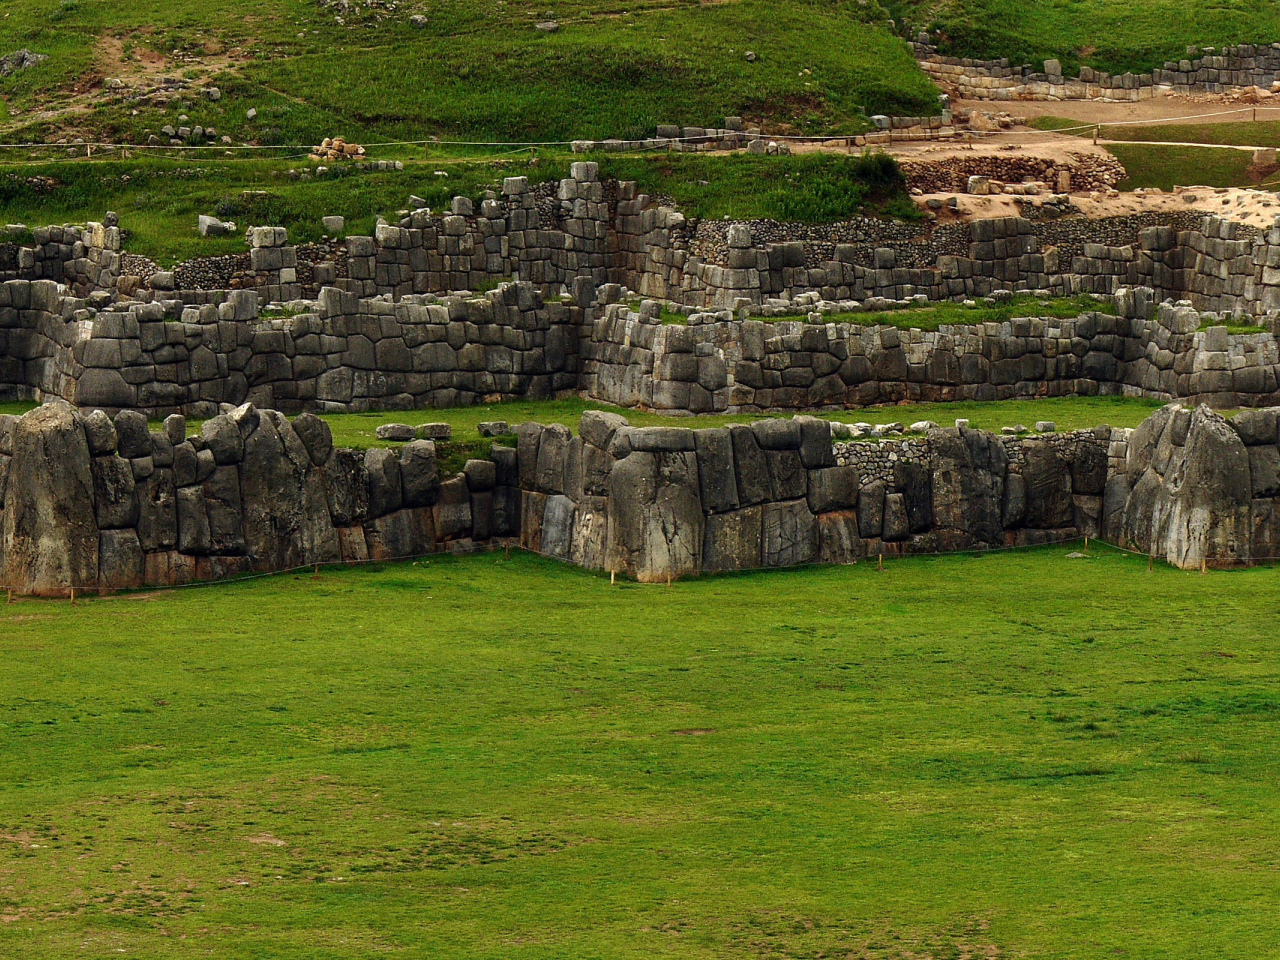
[
  {"x": 553, "y": 450},
  {"x": 838, "y": 539},
  {"x": 401, "y": 535},
  {"x": 749, "y": 467},
  {"x": 419, "y": 477},
  {"x": 597, "y": 427},
  {"x": 225, "y": 509},
  {"x": 481, "y": 475},
  {"x": 718, "y": 484},
  {"x": 968, "y": 470},
  {"x": 833, "y": 488},
  {"x": 222, "y": 439},
  {"x": 896, "y": 524},
  {"x": 1048, "y": 484},
  {"x": 815, "y": 443},
  {"x": 346, "y": 483},
  {"x": 1208, "y": 494},
  {"x": 557, "y": 527},
  {"x": 286, "y": 512},
  {"x": 120, "y": 561},
  {"x": 193, "y": 522},
  {"x": 132, "y": 437},
  {"x": 528, "y": 439},
  {"x": 732, "y": 541},
  {"x": 453, "y": 509},
  {"x": 777, "y": 434},
  {"x": 655, "y": 516},
  {"x": 114, "y": 493},
  {"x": 49, "y": 534},
  {"x": 396, "y": 432},
  {"x": 871, "y": 510},
  {"x": 434, "y": 431},
  {"x": 383, "y": 469},
  {"x": 100, "y": 433},
  {"x": 315, "y": 436},
  {"x": 914, "y": 482},
  {"x": 1256, "y": 426},
  {"x": 789, "y": 534},
  {"x": 1264, "y": 470},
  {"x": 1014, "y": 510}
]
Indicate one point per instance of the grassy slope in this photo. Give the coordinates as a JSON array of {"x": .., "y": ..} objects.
[
  {"x": 1067, "y": 413},
  {"x": 159, "y": 200},
  {"x": 1167, "y": 167},
  {"x": 1113, "y": 35},
  {"x": 459, "y": 758},
  {"x": 477, "y": 70}
]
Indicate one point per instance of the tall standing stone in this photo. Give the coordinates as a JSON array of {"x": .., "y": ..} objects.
[{"x": 50, "y": 530}]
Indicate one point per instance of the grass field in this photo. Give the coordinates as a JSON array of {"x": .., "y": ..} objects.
[
  {"x": 1167, "y": 167},
  {"x": 1015, "y": 754},
  {"x": 471, "y": 71},
  {"x": 159, "y": 200},
  {"x": 1067, "y": 413},
  {"x": 1112, "y": 35}
]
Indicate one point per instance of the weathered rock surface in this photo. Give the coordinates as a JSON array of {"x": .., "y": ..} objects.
[{"x": 50, "y": 530}]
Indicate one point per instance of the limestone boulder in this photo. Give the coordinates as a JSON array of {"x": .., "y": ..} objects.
[
  {"x": 732, "y": 541},
  {"x": 1047, "y": 476},
  {"x": 968, "y": 470},
  {"x": 286, "y": 512},
  {"x": 50, "y": 531},
  {"x": 1209, "y": 495},
  {"x": 655, "y": 515}
]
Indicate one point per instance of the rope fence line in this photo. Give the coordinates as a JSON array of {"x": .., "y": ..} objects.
[{"x": 315, "y": 568}]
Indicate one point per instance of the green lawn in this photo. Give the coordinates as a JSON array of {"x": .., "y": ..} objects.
[
  {"x": 472, "y": 71},
  {"x": 1167, "y": 167},
  {"x": 1067, "y": 413},
  {"x": 1016, "y": 754}
]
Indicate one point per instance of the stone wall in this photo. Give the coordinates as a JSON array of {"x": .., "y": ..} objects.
[
  {"x": 341, "y": 353},
  {"x": 100, "y": 503},
  {"x": 1242, "y": 67},
  {"x": 719, "y": 363}
]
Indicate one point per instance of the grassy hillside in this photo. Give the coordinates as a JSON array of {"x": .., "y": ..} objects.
[
  {"x": 433, "y": 760},
  {"x": 1113, "y": 35},
  {"x": 472, "y": 70}
]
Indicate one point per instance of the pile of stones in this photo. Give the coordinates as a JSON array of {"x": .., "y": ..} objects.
[{"x": 335, "y": 148}]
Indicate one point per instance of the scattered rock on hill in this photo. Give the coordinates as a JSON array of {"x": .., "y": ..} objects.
[{"x": 20, "y": 60}]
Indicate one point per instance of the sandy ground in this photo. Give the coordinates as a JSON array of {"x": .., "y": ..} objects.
[
  {"x": 1258, "y": 208},
  {"x": 1094, "y": 111}
]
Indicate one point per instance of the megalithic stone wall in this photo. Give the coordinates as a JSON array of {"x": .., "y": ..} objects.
[{"x": 94, "y": 502}]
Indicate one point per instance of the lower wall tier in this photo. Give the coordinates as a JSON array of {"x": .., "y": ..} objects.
[{"x": 95, "y": 503}]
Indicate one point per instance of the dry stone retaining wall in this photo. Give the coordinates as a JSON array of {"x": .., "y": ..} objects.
[
  {"x": 94, "y": 502},
  {"x": 1242, "y": 67}
]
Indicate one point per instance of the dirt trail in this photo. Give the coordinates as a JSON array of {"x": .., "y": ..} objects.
[{"x": 1173, "y": 109}]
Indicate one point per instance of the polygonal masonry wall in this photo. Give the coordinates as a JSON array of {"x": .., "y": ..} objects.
[
  {"x": 92, "y": 502},
  {"x": 342, "y": 353}
]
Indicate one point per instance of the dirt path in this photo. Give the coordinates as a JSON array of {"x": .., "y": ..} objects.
[{"x": 1173, "y": 109}]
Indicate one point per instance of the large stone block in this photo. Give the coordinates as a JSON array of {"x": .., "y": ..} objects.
[
  {"x": 749, "y": 467},
  {"x": 121, "y": 565},
  {"x": 732, "y": 541},
  {"x": 50, "y": 532},
  {"x": 655, "y": 516},
  {"x": 401, "y": 534},
  {"x": 717, "y": 481},
  {"x": 453, "y": 509},
  {"x": 1047, "y": 476},
  {"x": 833, "y": 488},
  {"x": 838, "y": 539},
  {"x": 789, "y": 534},
  {"x": 286, "y": 512},
  {"x": 968, "y": 483}
]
